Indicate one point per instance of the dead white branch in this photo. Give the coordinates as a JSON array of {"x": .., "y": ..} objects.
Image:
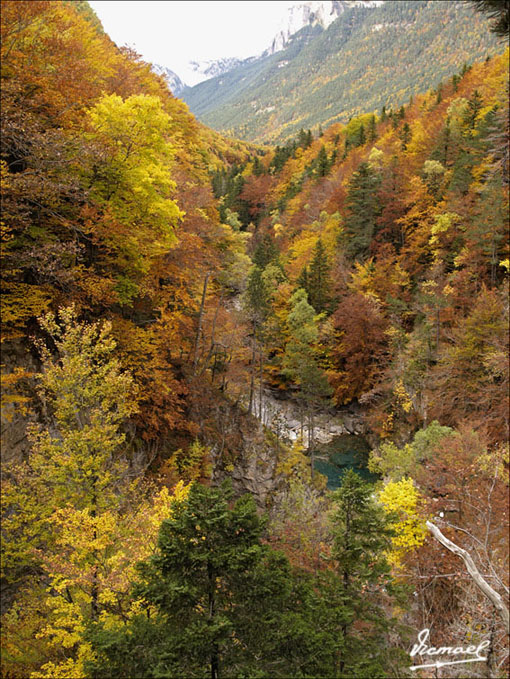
[{"x": 473, "y": 571}]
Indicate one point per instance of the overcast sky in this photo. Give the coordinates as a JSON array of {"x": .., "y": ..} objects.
[{"x": 173, "y": 33}]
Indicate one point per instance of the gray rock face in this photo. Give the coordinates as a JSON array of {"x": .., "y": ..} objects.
[
  {"x": 256, "y": 472},
  {"x": 284, "y": 418},
  {"x": 242, "y": 450},
  {"x": 312, "y": 13}
]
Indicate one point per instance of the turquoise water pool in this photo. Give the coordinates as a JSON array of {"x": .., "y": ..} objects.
[{"x": 344, "y": 452}]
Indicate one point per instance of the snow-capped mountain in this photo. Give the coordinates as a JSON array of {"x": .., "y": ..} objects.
[
  {"x": 174, "y": 82},
  {"x": 212, "y": 68}
]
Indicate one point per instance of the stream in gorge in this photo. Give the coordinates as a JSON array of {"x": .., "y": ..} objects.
[
  {"x": 340, "y": 437},
  {"x": 347, "y": 451}
]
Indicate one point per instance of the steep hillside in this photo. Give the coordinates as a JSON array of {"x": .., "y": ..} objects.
[
  {"x": 165, "y": 290},
  {"x": 403, "y": 214},
  {"x": 367, "y": 58},
  {"x": 103, "y": 227}
]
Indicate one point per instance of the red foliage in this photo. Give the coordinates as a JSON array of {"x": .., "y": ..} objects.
[{"x": 359, "y": 355}]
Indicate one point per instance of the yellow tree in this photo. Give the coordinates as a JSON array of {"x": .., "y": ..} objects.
[
  {"x": 402, "y": 499},
  {"x": 130, "y": 178},
  {"x": 76, "y": 455},
  {"x": 72, "y": 513}
]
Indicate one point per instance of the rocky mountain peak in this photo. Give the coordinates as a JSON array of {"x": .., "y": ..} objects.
[{"x": 312, "y": 13}]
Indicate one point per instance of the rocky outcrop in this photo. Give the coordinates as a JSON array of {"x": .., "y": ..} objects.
[
  {"x": 240, "y": 448},
  {"x": 246, "y": 451},
  {"x": 283, "y": 417},
  {"x": 245, "y": 447},
  {"x": 254, "y": 471}
]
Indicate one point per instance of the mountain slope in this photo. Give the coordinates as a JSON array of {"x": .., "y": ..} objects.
[{"x": 367, "y": 58}]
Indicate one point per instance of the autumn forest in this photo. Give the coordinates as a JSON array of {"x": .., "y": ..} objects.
[{"x": 254, "y": 398}]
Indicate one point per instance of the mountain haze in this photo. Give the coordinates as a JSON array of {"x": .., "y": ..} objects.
[{"x": 371, "y": 55}]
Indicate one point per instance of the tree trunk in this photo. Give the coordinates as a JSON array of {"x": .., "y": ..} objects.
[
  {"x": 212, "y": 614},
  {"x": 311, "y": 440},
  {"x": 261, "y": 384},
  {"x": 200, "y": 320},
  {"x": 490, "y": 651},
  {"x": 252, "y": 380},
  {"x": 213, "y": 347}
]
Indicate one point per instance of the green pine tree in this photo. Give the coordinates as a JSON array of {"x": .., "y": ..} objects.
[
  {"x": 405, "y": 136},
  {"x": 499, "y": 12},
  {"x": 305, "y": 139},
  {"x": 258, "y": 168},
  {"x": 323, "y": 165},
  {"x": 258, "y": 296},
  {"x": 300, "y": 362},
  {"x": 318, "y": 280},
  {"x": 362, "y": 534},
  {"x": 215, "y": 601},
  {"x": 302, "y": 281},
  {"x": 361, "y": 135},
  {"x": 474, "y": 106},
  {"x": 364, "y": 208},
  {"x": 265, "y": 252},
  {"x": 372, "y": 130}
]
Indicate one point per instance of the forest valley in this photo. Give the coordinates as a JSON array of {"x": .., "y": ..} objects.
[{"x": 159, "y": 282}]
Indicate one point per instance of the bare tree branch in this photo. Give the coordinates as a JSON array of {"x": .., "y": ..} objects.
[{"x": 473, "y": 571}]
